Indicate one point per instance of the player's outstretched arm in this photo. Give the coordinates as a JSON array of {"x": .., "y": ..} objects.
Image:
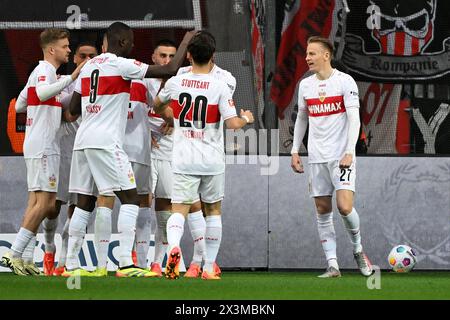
[
  {"x": 170, "y": 69},
  {"x": 47, "y": 91},
  {"x": 239, "y": 122}
]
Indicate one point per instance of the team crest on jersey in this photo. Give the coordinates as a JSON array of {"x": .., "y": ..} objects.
[
  {"x": 131, "y": 176},
  {"x": 52, "y": 181},
  {"x": 41, "y": 78},
  {"x": 322, "y": 96}
]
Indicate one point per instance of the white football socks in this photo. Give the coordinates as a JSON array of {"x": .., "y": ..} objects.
[
  {"x": 197, "y": 225},
  {"x": 327, "y": 237},
  {"x": 175, "y": 229},
  {"x": 49, "y": 227},
  {"x": 143, "y": 231},
  {"x": 102, "y": 237},
  {"x": 213, "y": 237},
  {"x": 77, "y": 231},
  {"x": 161, "y": 235},
  {"x": 351, "y": 222},
  {"x": 126, "y": 225},
  {"x": 20, "y": 243},
  {"x": 64, "y": 244},
  {"x": 28, "y": 253}
]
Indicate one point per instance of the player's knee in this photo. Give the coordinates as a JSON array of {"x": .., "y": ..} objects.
[
  {"x": 86, "y": 203},
  {"x": 344, "y": 208},
  {"x": 128, "y": 197},
  {"x": 323, "y": 208}
]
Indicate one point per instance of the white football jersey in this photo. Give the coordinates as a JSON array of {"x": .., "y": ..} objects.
[
  {"x": 217, "y": 73},
  {"x": 200, "y": 104},
  {"x": 165, "y": 141},
  {"x": 326, "y": 101},
  {"x": 164, "y": 152},
  {"x": 104, "y": 84},
  {"x": 137, "y": 133},
  {"x": 43, "y": 117}
]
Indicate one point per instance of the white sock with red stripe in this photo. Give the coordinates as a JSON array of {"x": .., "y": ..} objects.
[
  {"x": 213, "y": 238},
  {"x": 197, "y": 225},
  {"x": 161, "y": 235},
  {"x": 126, "y": 225},
  {"x": 143, "y": 230},
  {"x": 175, "y": 229},
  {"x": 102, "y": 236},
  {"x": 327, "y": 237},
  {"x": 351, "y": 222},
  {"x": 77, "y": 231}
]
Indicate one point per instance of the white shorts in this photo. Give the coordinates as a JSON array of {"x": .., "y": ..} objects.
[
  {"x": 324, "y": 178},
  {"x": 142, "y": 173},
  {"x": 108, "y": 169},
  {"x": 162, "y": 178},
  {"x": 63, "y": 184},
  {"x": 187, "y": 189},
  {"x": 43, "y": 173}
]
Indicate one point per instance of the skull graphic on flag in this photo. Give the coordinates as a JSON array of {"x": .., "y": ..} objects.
[{"x": 402, "y": 27}]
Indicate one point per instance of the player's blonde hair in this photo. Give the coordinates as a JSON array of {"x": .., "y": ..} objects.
[
  {"x": 326, "y": 43},
  {"x": 52, "y": 35}
]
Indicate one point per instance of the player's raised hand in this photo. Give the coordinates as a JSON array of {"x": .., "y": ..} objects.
[
  {"x": 189, "y": 35},
  {"x": 247, "y": 115},
  {"x": 296, "y": 163},
  {"x": 76, "y": 72},
  {"x": 346, "y": 161}
]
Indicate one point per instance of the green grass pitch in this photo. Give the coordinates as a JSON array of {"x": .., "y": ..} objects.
[{"x": 233, "y": 286}]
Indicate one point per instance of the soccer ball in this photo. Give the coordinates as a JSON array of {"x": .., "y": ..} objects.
[{"x": 402, "y": 258}]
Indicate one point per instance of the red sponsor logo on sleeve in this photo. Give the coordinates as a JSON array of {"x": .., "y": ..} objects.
[
  {"x": 231, "y": 102},
  {"x": 41, "y": 78},
  {"x": 138, "y": 63}
]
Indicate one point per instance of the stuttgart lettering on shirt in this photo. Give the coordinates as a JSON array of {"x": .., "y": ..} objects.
[{"x": 195, "y": 84}]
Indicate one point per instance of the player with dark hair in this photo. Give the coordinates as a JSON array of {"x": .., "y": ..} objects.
[
  {"x": 67, "y": 132},
  {"x": 200, "y": 104},
  {"x": 102, "y": 95}
]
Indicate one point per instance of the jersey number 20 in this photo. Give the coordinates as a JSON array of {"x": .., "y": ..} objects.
[{"x": 198, "y": 114}]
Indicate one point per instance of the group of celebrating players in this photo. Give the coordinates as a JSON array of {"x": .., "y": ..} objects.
[{"x": 118, "y": 127}]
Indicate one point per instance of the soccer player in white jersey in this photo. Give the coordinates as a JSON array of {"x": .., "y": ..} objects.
[
  {"x": 196, "y": 221},
  {"x": 145, "y": 91},
  {"x": 102, "y": 96},
  {"x": 200, "y": 104},
  {"x": 328, "y": 101},
  {"x": 67, "y": 133},
  {"x": 41, "y": 99},
  {"x": 137, "y": 147}
]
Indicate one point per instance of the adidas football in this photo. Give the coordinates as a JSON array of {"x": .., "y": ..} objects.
[{"x": 402, "y": 258}]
